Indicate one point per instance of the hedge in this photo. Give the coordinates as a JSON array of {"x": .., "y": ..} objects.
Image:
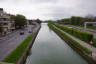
[
  {"x": 68, "y": 39},
  {"x": 85, "y": 36}
]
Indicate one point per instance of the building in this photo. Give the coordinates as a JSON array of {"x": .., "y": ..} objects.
[
  {"x": 34, "y": 21},
  {"x": 6, "y": 22}
]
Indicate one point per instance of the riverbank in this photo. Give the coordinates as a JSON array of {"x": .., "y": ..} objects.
[
  {"x": 20, "y": 54},
  {"x": 84, "y": 52}
]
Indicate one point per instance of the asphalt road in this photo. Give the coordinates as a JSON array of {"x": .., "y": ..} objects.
[{"x": 10, "y": 42}]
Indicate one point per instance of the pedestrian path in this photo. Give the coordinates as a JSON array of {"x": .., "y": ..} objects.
[{"x": 83, "y": 44}]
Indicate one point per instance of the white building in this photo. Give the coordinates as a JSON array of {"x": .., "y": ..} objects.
[{"x": 6, "y": 22}]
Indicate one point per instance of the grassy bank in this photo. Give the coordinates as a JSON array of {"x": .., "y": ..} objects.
[
  {"x": 17, "y": 53},
  {"x": 68, "y": 39}
]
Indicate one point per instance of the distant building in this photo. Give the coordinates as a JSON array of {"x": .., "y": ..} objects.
[
  {"x": 34, "y": 21},
  {"x": 6, "y": 22}
]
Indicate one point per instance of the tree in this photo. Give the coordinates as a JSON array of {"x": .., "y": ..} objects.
[
  {"x": 20, "y": 21},
  {"x": 38, "y": 21},
  {"x": 73, "y": 20},
  {"x": 76, "y": 20}
]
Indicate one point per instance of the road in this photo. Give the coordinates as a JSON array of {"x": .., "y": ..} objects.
[{"x": 10, "y": 42}]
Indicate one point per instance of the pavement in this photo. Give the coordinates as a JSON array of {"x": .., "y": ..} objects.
[{"x": 11, "y": 41}]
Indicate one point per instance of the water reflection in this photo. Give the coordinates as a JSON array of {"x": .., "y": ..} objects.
[{"x": 48, "y": 48}]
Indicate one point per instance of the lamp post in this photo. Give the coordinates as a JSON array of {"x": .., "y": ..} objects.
[{"x": 91, "y": 43}]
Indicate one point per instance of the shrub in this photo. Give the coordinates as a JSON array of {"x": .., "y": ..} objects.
[{"x": 85, "y": 36}]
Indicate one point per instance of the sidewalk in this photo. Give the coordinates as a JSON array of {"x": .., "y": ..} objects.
[{"x": 83, "y": 44}]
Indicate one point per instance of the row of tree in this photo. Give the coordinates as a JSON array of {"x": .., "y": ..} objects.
[
  {"x": 20, "y": 21},
  {"x": 76, "y": 20}
]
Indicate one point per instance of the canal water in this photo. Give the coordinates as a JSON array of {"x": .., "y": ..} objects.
[{"x": 49, "y": 48}]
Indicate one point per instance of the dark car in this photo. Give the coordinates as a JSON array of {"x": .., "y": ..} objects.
[
  {"x": 22, "y": 33},
  {"x": 30, "y": 31}
]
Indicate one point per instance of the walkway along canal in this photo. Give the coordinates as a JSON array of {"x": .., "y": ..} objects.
[{"x": 49, "y": 48}]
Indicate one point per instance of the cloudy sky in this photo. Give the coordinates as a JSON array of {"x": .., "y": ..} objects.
[{"x": 49, "y": 9}]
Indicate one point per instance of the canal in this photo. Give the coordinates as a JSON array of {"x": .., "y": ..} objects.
[{"x": 49, "y": 48}]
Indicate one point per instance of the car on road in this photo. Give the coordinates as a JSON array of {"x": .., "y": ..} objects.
[
  {"x": 21, "y": 32},
  {"x": 30, "y": 31}
]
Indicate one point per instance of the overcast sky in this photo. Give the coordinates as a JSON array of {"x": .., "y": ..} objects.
[{"x": 49, "y": 9}]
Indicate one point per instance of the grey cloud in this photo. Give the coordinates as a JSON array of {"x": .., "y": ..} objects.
[
  {"x": 58, "y": 12},
  {"x": 88, "y": 6},
  {"x": 43, "y": 1},
  {"x": 49, "y": 9}
]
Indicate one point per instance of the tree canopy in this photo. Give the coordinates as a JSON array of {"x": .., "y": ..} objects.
[
  {"x": 20, "y": 20},
  {"x": 77, "y": 20}
]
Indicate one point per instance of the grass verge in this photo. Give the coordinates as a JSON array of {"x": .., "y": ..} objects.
[{"x": 17, "y": 53}]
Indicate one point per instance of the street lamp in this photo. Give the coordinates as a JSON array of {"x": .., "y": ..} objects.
[{"x": 91, "y": 43}]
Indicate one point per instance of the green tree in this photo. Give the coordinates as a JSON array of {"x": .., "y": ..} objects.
[
  {"x": 38, "y": 21},
  {"x": 64, "y": 21},
  {"x": 76, "y": 20},
  {"x": 20, "y": 21},
  {"x": 73, "y": 20}
]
